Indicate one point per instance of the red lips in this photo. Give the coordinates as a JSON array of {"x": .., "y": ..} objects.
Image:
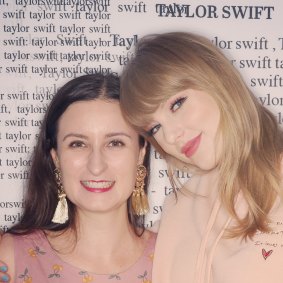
[
  {"x": 191, "y": 146},
  {"x": 97, "y": 186}
]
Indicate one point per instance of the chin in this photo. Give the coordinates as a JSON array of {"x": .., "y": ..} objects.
[
  {"x": 209, "y": 167},
  {"x": 202, "y": 166}
]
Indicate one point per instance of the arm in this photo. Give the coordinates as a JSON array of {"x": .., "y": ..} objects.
[{"x": 7, "y": 258}]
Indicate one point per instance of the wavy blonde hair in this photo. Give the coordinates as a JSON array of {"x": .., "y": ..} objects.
[{"x": 165, "y": 64}]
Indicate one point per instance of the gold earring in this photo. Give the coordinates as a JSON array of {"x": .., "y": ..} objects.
[
  {"x": 139, "y": 198},
  {"x": 61, "y": 212}
]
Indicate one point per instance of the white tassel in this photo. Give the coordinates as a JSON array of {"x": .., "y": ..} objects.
[{"x": 61, "y": 213}]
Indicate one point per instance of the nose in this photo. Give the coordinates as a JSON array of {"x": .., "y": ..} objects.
[
  {"x": 96, "y": 162},
  {"x": 171, "y": 131}
]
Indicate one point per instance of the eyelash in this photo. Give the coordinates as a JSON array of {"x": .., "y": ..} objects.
[
  {"x": 76, "y": 144},
  {"x": 115, "y": 143},
  {"x": 79, "y": 144},
  {"x": 179, "y": 100},
  {"x": 151, "y": 132}
]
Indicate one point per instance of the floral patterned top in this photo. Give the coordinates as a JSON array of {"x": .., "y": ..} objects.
[{"x": 36, "y": 261}]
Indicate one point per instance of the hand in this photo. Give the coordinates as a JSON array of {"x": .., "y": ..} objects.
[{"x": 4, "y": 276}]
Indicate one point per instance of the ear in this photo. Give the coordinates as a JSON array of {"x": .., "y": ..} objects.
[
  {"x": 142, "y": 153},
  {"x": 55, "y": 158}
]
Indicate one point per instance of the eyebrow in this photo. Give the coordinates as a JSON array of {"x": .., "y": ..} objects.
[
  {"x": 74, "y": 135},
  {"x": 110, "y": 135}
]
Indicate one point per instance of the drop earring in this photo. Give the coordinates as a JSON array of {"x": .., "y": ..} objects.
[
  {"x": 61, "y": 212},
  {"x": 139, "y": 198}
]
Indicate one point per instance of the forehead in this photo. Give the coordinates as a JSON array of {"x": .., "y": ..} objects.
[{"x": 94, "y": 116}]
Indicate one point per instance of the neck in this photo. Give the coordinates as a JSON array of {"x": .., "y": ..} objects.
[
  {"x": 204, "y": 183},
  {"x": 105, "y": 242},
  {"x": 104, "y": 231}
]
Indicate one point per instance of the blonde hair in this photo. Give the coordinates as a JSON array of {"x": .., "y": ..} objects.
[{"x": 165, "y": 64}]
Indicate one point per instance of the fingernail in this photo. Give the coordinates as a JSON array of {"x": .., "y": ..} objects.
[
  {"x": 3, "y": 268},
  {"x": 5, "y": 278}
]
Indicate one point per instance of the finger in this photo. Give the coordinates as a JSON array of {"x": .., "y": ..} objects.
[
  {"x": 3, "y": 268},
  {"x": 4, "y": 278}
]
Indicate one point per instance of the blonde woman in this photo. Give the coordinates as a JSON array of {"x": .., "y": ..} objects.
[{"x": 226, "y": 223}]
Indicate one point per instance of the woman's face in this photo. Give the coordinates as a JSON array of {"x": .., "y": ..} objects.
[
  {"x": 185, "y": 127},
  {"x": 97, "y": 154}
]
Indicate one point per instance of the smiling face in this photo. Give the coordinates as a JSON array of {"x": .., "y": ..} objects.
[
  {"x": 97, "y": 154},
  {"x": 185, "y": 127}
]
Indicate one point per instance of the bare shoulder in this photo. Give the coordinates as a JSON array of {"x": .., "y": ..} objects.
[
  {"x": 6, "y": 245},
  {"x": 7, "y": 253}
]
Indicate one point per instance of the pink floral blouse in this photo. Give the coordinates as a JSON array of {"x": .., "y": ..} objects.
[{"x": 36, "y": 262}]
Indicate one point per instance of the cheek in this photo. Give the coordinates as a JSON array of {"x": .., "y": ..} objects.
[
  {"x": 158, "y": 138},
  {"x": 125, "y": 172},
  {"x": 160, "y": 142},
  {"x": 128, "y": 180},
  {"x": 124, "y": 164},
  {"x": 71, "y": 164},
  {"x": 122, "y": 158}
]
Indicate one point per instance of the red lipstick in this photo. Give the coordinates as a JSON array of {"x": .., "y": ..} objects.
[
  {"x": 100, "y": 186},
  {"x": 191, "y": 146}
]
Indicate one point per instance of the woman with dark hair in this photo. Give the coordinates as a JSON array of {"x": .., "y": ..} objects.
[{"x": 86, "y": 197}]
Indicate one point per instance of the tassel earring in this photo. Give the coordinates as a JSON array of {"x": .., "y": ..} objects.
[
  {"x": 61, "y": 212},
  {"x": 139, "y": 198}
]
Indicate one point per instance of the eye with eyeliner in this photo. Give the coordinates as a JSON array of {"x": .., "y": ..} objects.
[
  {"x": 153, "y": 130},
  {"x": 77, "y": 144},
  {"x": 116, "y": 143},
  {"x": 174, "y": 106},
  {"x": 177, "y": 103}
]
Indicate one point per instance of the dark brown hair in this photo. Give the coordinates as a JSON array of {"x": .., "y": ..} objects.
[{"x": 41, "y": 197}]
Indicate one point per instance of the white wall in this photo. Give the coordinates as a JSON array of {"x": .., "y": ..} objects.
[{"x": 44, "y": 43}]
